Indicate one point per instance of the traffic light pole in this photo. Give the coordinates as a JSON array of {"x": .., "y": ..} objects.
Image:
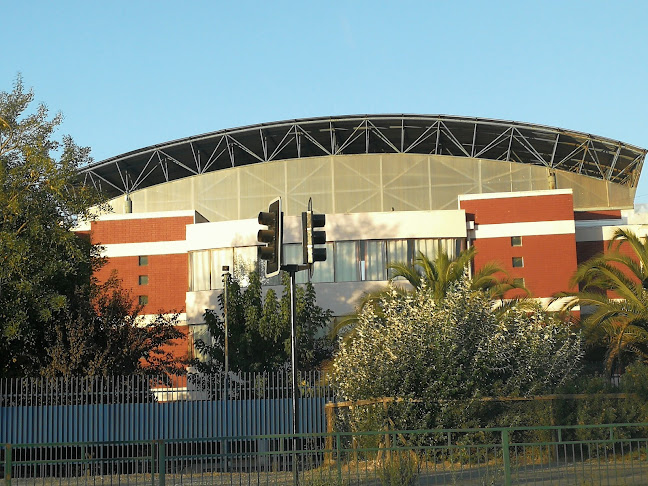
[{"x": 292, "y": 270}]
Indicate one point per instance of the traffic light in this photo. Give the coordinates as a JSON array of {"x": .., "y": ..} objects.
[
  {"x": 272, "y": 237},
  {"x": 311, "y": 237}
]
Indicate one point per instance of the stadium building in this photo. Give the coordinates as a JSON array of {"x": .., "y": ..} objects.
[{"x": 538, "y": 200}]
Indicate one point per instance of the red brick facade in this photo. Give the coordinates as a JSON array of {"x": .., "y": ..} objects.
[
  {"x": 548, "y": 260},
  {"x": 108, "y": 232},
  {"x": 167, "y": 280}
]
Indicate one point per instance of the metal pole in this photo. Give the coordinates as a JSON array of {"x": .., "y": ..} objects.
[
  {"x": 295, "y": 391},
  {"x": 226, "y": 276}
]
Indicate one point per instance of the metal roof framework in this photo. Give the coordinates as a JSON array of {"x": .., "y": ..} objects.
[{"x": 553, "y": 148}]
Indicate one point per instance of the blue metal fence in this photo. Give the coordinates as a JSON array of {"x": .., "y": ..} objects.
[{"x": 138, "y": 408}]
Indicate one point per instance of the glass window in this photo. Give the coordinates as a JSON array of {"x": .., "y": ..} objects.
[
  {"x": 346, "y": 268},
  {"x": 519, "y": 282},
  {"x": 324, "y": 271},
  {"x": 143, "y": 280},
  {"x": 400, "y": 251},
  {"x": 199, "y": 270},
  {"x": 143, "y": 260},
  {"x": 373, "y": 260},
  {"x": 294, "y": 255},
  {"x": 516, "y": 241},
  {"x": 518, "y": 262},
  {"x": 143, "y": 299}
]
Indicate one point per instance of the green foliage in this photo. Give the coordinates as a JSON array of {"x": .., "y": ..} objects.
[
  {"x": 619, "y": 321},
  {"x": 399, "y": 468},
  {"x": 436, "y": 354},
  {"x": 439, "y": 276},
  {"x": 101, "y": 333},
  {"x": 259, "y": 329},
  {"x": 41, "y": 199}
]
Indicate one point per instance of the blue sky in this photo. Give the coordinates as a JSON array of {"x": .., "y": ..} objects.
[{"x": 127, "y": 74}]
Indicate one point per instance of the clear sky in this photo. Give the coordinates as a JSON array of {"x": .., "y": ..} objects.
[{"x": 128, "y": 74}]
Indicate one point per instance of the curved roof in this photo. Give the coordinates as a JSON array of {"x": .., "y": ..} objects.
[{"x": 554, "y": 148}]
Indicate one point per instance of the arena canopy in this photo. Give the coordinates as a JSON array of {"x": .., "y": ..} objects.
[{"x": 553, "y": 149}]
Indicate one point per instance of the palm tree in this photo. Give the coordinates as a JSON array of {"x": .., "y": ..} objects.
[
  {"x": 439, "y": 274},
  {"x": 615, "y": 286},
  {"x": 442, "y": 272}
]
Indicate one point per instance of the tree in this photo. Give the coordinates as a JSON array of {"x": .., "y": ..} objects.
[
  {"x": 102, "y": 333},
  {"x": 259, "y": 329},
  {"x": 438, "y": 275},
  {"x": 615, "y": 286},
  {"x": 41, "y": 199},
  {"x": 442, "y": 272},
  {"x": 432, "y": 352}
]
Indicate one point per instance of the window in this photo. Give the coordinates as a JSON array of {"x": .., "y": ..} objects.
[
  {"x": 519, "y": 282},
  {"x": 346, "y": 269},
  {"x": 199, "y": 277},
  {"x": 516, "y": 241},
  {"x": 143, "y": 261},
  {"x": 143, "y": 299},
  {"x": 143, "y": 279},
  {"x": 518, "y": 262}
]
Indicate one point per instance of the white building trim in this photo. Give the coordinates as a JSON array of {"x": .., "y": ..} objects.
[
  {"x": 534, "y": 228},
  {"x": 510, "y": 195},
  {"x": 147, "y": 248}
]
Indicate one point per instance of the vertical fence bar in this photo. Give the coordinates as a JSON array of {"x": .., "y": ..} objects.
[
  {"x": 7, "y": 465},
  {"x": 506, "y": 457},
  {"x": 161, "y": 462},
  {"x": 338, "y": 452}
]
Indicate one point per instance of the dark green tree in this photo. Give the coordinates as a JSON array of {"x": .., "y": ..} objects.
[
  {"x": 100, "y": 332},
  {"x": 259, "y": 329},
  {"x": 41, "y": 200}
]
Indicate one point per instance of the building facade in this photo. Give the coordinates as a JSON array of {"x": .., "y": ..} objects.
[{"x": 536, "y": 200}]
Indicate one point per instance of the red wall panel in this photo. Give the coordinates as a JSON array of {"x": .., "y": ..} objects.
[
  {"x": 549, "y": 260},
  {"x": 168, "y": 280},
  {"x": 140, "y": 230},
  {"x": 555, "y": 207}
]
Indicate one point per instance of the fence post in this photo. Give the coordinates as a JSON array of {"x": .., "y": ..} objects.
[
  {"x": 328, "y": 456},
  {"x": 338, "y": 452},
  {"x": 7, "y": 464},
  {"x": 161, "y": 462},
  {"x": 506, "y": 455}
]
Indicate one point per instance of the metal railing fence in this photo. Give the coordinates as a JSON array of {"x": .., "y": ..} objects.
[
  {"x": 573, "y": 455},
  {"x": 144, "y": 408}
]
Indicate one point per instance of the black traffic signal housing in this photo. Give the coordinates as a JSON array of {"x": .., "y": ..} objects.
[
  {"x": 272, "y": 251},
  {"x": 311, "y": 237}
]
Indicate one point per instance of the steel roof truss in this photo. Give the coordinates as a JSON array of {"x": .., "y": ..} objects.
[
  {"x": 493, "y": 143},
  {"x": 429, "y": 131},
  {"x": 383, "y": 137},
  {"x": 570, "y": 155},
  {"x": 614, "y": 161},
  {"x": 311, "y": 139},
  {"x": 124, "y": 178},
  {"x": 264, "y": 144},
  {"x": 177, "y": 162},
  {"x": 244, "y": 148},
  {"x": 120, "y": 189},
  {"x": 595, "y": 158},
  {"x": 524, "y": 141},
  {"x": 282, "y": 144},
  {"x": 137, "y": 181},
  {"x": 453, "y": 139},
  {"x": 630, "y": 166},
  {"x": 164, "y": 165},
  {"x": 196, "y": 156},
  {"x": 355, "y": 134}
]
